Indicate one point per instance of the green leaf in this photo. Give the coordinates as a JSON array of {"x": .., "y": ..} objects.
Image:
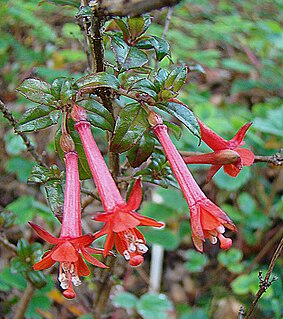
[
  {"x": 160, "y": 78},
  {"x": 96, "y": 80},
  {"x": 145, "y": 86},
  {"x": 136, "y": 26},
  {"x": 141, "y": 151},
  {"x": 23, "y": 209},
  {"x": 174, "y": 128},
  {"x": 122, "y": 25},
  {"x": 196, "y": 261},
  {"x": 62, "y": 89},
  {"x": 73, "y": 3},
  {"x": 163, "y": 237},
  {"x": 160, "y": 46},
  {"x": 37, "y": 91},
  {"x": 130, "y": 126},
  {"x": 152, "y": 306},
  {"x": 176, "y": 78},
  {"x": 98, "y": 115},
  {"x": 21, "y": 166},
  {"x": 183, "y": 114},
  {"x": 125, "y": 300},
  {"x": 127, "y": 57},
  {"x": 84, "y": 170},
  {"x": 157, "y": 211},
  {"x": 236, "y": 65},
  {"x": 38, "y": 118}
]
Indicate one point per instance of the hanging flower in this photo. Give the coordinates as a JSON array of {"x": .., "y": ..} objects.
[
  {"x": 71, "y": 244},
  {"x": 207, "y": 219},
  {"x": 119, "y": 217},
  {"x": 226, "y": 153}
]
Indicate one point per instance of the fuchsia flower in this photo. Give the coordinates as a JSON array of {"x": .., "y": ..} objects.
[
  {"x": 226, "y": 153},
  {"x": 119, "y": 217},
  {"x": 71, "y": 244},
  {"x": 207, "y": 219}
]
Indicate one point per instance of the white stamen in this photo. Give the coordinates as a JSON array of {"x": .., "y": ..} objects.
[
  {"x": 64, "y": 283},
  {"x": 72, "y": 268},
  {"x": 142, "y": 248},
  {"x": 126, "y": 255},
  {"x": 76, "y": 281},
  {"x": 212, "y": 239},
  {"x": 66, "y": 266},
  {"x": 221, "y": 229},
  {"x": 132, "y": 248}
]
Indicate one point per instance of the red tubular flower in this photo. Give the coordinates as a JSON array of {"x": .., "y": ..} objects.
[
  {"x": 207, "y": 219},
  {"x": 71, "y": 243},
  {"x": 226, "y": 153},
  {"x": 119, "y": 217}
]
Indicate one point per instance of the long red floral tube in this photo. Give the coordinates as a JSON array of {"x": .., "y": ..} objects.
[
  {"x": 120, "y": 219},
  {"x": 207, "y": 219},
  {"x": 71, "y": 244}
]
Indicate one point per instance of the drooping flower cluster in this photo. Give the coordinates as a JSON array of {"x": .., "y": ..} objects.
[{"x": 120, "y": 219}]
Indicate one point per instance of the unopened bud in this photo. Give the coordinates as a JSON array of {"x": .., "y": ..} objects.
[
  {"x": 66, "y": 142},
  {"x": 154, "y": 119},
  {"x": 78, "y": 113},
  {"x": 226, "y": 157}
]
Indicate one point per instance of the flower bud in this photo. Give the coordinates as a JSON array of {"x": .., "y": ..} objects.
[
  {"x": 154, "y": 119},
  {"x": 66, "y": 142},
  {"x": 78, "y": 113}
]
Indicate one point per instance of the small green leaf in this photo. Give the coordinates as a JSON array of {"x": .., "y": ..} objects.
[
  {"x": 37, "y": 91},
  {"x": 145, "y": 86},
  {"x": 160, "y": 79},
  {"x": 196, "y": 261},
  {"x": 141, "y": 152},
  {"x": 55, "y": 196},
  {"x": 160, "y": 46},
  {"x": 38, "y": 118},
  {"x": 127, "y": 57},
  {"x": 123, "y": 27},
  {"x": 174, "y": 128},
  {"x": 125, "y": 300},
  {"x": 130, "y": 126},
  {"x": 183, "y": 114},
  {"x": 163, "y": 237},
  {"x": 96, "y": 80},
  {"x": 73, "y": 3},
  {"x": 152, "y": 306},
  {"x": 136, "y": 26},
  {"x": 98, "y": 115},
  {"x": 62, "y": 89},
  {"x": 176, "y": 78}
]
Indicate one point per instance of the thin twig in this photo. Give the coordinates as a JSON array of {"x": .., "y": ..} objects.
[
  {"x": 167, "y": 22},
  {"x": 30, "y": 148},
  {"x": 265, "y": 282},
  {"x": 24, "y": 301},
  {"x": 5, "y": 242}
]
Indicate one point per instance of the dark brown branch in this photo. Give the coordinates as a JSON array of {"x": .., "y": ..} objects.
[
  {"x": 30, "y": 148},
  {"x": 5, "y": 242},
  {"x": 265, "y": 282},
  {"x": 133, "y": 7}
]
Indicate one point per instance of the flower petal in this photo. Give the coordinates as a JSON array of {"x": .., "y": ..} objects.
[
  {"x": 45, "y": 235},
  {"x": 45, "y": 263},
  {"x": 247, "y": 156},
  {"x": 211, "y": 138},
  {"x": 82, "y": 268},
  {"x": 109, "y": 242},
  {"x": 212, "y": 171},
  {"x": 196, "y": 222},
  {"x": 92, "y": 260},
  {"x": 232, "y": 170},
  {"x": 65, "y": 252},
  {"x": 124, "y": 221},
  {"x": 146, "y": 221},
  {"x": 84, "y": 240},
  {"x": 237, "y": 140},
  {"x": 135, "y": 197}
]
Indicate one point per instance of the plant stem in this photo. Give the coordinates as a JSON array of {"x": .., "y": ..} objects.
[
  {"x": 30, "y": 148},
  {"x": 265, "y": 282},
  {"x": 24, "y": 301}
]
